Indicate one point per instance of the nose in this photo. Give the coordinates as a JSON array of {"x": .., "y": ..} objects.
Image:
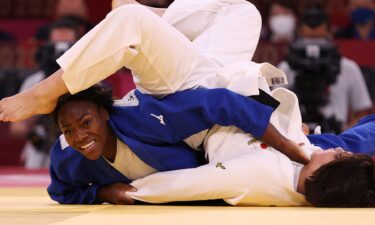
[{"x": 80, "y": 137}]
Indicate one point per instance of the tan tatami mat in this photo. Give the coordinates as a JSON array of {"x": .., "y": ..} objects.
[{"x": 32, "y": 206}]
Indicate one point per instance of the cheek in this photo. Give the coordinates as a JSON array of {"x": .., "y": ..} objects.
[
  {"x": 325, "y": 159},
  {"x": 70, "y": 141}
]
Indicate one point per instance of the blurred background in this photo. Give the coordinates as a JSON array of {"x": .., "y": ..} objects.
[{"x": 325, "y": 47}]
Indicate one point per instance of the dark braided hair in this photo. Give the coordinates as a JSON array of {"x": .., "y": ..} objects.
[
  {"x": 345, "y": 182},
  {"x": 98, "y": 94}
]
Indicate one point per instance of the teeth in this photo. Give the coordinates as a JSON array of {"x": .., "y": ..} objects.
[{"x": 88, "y": 145}]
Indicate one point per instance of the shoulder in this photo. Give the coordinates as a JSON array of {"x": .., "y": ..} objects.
[
  {"x": 61, "y": 151},
  {"x": 348, "y": 64}
]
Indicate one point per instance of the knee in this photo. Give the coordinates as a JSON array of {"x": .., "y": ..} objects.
[{"x": 129, "y": 11}]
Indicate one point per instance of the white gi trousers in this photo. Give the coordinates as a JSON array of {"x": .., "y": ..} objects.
[{"x": 161, "y": 57}]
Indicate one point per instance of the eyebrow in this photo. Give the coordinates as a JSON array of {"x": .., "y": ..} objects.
[{"x": 79, "y": 119}]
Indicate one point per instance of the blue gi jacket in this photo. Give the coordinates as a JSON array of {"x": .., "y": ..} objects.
[
  {"x": 358, "y": 139},
  {"x": 154, "y": 130}
]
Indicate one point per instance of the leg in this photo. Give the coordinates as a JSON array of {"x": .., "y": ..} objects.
[
  {"x": 226, "y": 31},
  {"x": 160, "y": 57},
  {"x": 40, "y": 99}
]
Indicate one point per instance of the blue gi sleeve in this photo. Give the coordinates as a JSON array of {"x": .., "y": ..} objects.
[
  {"x": 195, "y": 110},
  {"x": 69, "y": 179},
  {"x": 358, "y": 139},
  {"x": 182, "y": 114},
  {"x": 65, "y": 193}
]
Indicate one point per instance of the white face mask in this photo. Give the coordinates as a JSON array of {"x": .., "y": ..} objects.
[{"x": 282, "y": 26}]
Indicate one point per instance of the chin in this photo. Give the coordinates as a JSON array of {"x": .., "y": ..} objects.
[{"x": 91, "y": 155}]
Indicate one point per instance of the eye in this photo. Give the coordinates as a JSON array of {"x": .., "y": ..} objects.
[
  {"x": 339, "y": 154},
  {"x": 86, "y": 123}
]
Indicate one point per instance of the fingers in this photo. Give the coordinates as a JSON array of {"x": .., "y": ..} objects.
[
  {"x": 127, "y": 200},
  {"x": 130, "y": 188}
]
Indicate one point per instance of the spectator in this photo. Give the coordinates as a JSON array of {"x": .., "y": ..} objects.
[
  {"x": 40, "y": 130},
  {"x": 347, "y": 95},
  {"x": 362, "y": 25},
  {"x": 74, "y": 10},
  {"x": 282, "y": 20}
]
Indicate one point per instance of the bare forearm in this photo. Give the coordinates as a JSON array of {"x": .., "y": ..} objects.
[{"x": 275, "y": 139}]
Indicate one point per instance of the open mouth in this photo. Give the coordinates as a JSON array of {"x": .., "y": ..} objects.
[{"x": 88, "y": 145}]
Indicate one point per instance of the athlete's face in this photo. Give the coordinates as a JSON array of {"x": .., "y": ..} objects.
[
  {"x": 85, "y": 128},
  {"x": 322, "y": 157}
]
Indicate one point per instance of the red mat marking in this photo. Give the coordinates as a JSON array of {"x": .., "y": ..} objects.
[{"x": 20, "y": 177}]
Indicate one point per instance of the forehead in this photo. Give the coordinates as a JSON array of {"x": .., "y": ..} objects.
[{"x": 74, "y": 110}]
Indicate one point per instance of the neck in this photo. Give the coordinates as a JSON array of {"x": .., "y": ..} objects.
[{"x": 110, "y": 147}]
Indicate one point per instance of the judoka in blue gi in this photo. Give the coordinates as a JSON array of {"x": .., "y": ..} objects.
[{"x": 144, "y": 135}]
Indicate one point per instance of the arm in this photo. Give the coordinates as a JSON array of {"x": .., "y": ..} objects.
[
  {"x": 358, "y": 139},
  {"x": 273, "y": 138},
  {"x": 360, "y": 103},
  {"x": 65, "y": 192},
  {"x": 197, "y": 110}
]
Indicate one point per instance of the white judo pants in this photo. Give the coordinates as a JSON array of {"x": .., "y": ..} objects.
[{"x": 161, "y": 57}]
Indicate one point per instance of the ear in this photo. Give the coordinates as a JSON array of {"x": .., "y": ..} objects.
[{"x": 104, "y": 113}]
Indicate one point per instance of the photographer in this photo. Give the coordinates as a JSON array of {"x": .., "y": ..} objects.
[
  {"x": 40, "y": 131},
  {"x": 331, "y": 88}
]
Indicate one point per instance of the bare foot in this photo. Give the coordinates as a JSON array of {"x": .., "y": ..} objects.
[
  {"x": 22, "y": 106},
  {"x": 40, "y": 99}
]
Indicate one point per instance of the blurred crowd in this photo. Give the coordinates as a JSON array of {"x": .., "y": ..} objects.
[{"x": 332, "y": 88}]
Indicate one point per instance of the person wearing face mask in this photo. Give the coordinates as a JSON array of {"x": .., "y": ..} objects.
[
  {"x": 347, "y": 97},
  {"x": 282, "y": 21},
  {"x": 362, "y": 25}
]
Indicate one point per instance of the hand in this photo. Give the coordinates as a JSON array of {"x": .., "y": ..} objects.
[
  {"x": 294, "y": 152},
  {"x": 116, "y": 194}
]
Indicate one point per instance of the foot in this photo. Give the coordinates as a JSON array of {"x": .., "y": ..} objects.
[{"x": 24, "y": 105}]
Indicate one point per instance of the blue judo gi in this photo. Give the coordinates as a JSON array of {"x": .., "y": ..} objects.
[{"x": 358, "y": 139}]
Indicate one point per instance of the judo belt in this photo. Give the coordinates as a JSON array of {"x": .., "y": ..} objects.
[{"x": 266, "y": 99}]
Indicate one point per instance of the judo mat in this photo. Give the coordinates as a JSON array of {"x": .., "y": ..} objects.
[{"x": 24, "y": 200}]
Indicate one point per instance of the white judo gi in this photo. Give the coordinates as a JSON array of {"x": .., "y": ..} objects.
[
  {"x": 222, "y": 35},
  {"x": 241, "y": 170},
  {"x": 212, "y": 48}
]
